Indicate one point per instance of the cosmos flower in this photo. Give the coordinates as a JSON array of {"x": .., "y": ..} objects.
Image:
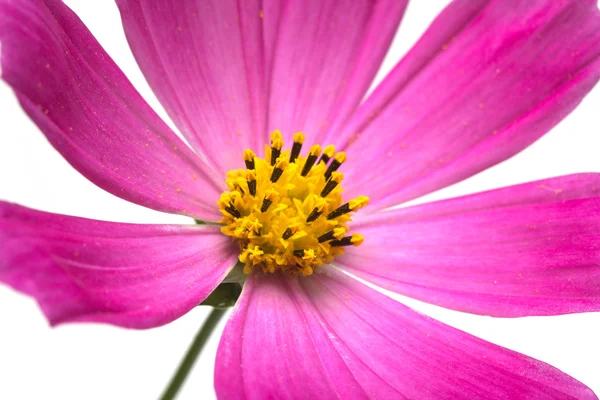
[{"x": 277, "y": 87}]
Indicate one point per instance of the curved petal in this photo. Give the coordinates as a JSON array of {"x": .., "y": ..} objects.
[
  {"x": 330, "y": 337},
  {"x": 486, "y": 80},
  {"x": 92, "y": 115},
  {"x": 213, "y": 63},
  {"x": 324, "y": 58},
  {"x": 530, "y": 249},
  {"x": 205, "y": 62},
  {"x": 267, "y": 351},
  {"x": 135, "y": 276}
]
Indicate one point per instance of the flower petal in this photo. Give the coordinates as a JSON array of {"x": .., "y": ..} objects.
[
  {"x": 135, "y": 276},
  {"x": 213, "y": 63},
  {"x": 205, "y": 62},
  {"x": 329, "y": 337},
  {"x": 530, "y": 249},
  {"x": 267, "y": 350},
  {"x": 325, "y": 57},
  {"x": 486, "y": 80},
  {"x": 92, "y": 115}
]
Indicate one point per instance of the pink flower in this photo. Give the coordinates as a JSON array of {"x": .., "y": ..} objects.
[{"x": 487, "y": 79}]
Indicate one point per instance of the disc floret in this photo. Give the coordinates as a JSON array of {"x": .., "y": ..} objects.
[{"x": 286, "y": 209}]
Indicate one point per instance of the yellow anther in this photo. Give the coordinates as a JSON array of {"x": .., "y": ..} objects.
[
  {"x": 235, "y": 178},
  {"x": 315, "y": 150},
  {"x": 255, "y": 225},
  {"x": 236, "y": 173},
  {"x": 297, "y": 146},
  {"x": 235, "y": 196},
  {"x": 224, "y": 200},
  {"x": 320, "y": 204},
  {"x": 290, "y": 231},
  {"x": 357, "y": 239},
  {"x": 335, "y": 164},
  {"x": 295, "y": 227},
  {"x": 339, "y": 233},
  {"x": 271, "y": 194},
  {"x": 252, "y": 254},
  {"x": 309, "y": 254},
  {"x": 286, "y": 209},
  {"x": 277, "y": 140},
  {"x": 337, "y": 177},
  {"x": 358, "y": 203},
  {"x": 276, "y": 135},
  {"x": 329, "y": 151},
  {"x": 299, "y": 137},
  {"x": 249, "y": 155},
  {"x": 340, "y": 157},
  {"x": 317, "y": 210},
  {"x": 281, "y": 163}
]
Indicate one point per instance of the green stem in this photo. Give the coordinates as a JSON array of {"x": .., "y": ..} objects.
[{"x": 192, "y": 354}]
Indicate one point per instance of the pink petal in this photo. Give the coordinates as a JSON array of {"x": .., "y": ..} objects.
[
  {"x": 330, "y": 337},
  {"x": 90, "y": 112},
  {"x": 531, "y": 249},
  {"x": 486, "y": 80},
  {"x": 267, "y": 351},
  {"x": 205, "y": 62},
  {"x": 135, "y": 276},
  {"x": 212, "y": 64},
  {"x": 325, "y": 56}
]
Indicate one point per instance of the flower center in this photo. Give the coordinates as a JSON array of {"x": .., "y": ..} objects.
[{"x": 286, "y": 210}]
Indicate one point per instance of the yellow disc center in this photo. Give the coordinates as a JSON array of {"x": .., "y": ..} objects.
[{"x": 286, "y": 210}]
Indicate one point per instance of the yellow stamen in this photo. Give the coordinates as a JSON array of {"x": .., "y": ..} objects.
[
  {"x": 337, "y": 177},
  {"x": 297, "y": 146},
  {"x": 299, "y": 137},
  {"x": 251, "y": 175},
  {"x": 338, "y": 233},
  {"x": 340, "y": 157},
  {"x": 315, "y": 150},
  {"x": 329, "y": 151},
  {"x": 357, "y": 239},
  {"x": 281, "y": 163},
  {"x": 285, "y": 211},
  {"x": 271, "y": 194},
  {"x": 249, "y": 155},
  {"x": 276, "y": 146},
  {"x": 358, "y": 203},
  {"x": 277, "y": 139}
]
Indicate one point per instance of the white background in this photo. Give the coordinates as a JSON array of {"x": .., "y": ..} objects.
[{"x": 104, "y": 362}]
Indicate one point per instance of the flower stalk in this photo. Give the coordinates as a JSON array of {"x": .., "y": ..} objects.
[{"x": 192, "y": 354}]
